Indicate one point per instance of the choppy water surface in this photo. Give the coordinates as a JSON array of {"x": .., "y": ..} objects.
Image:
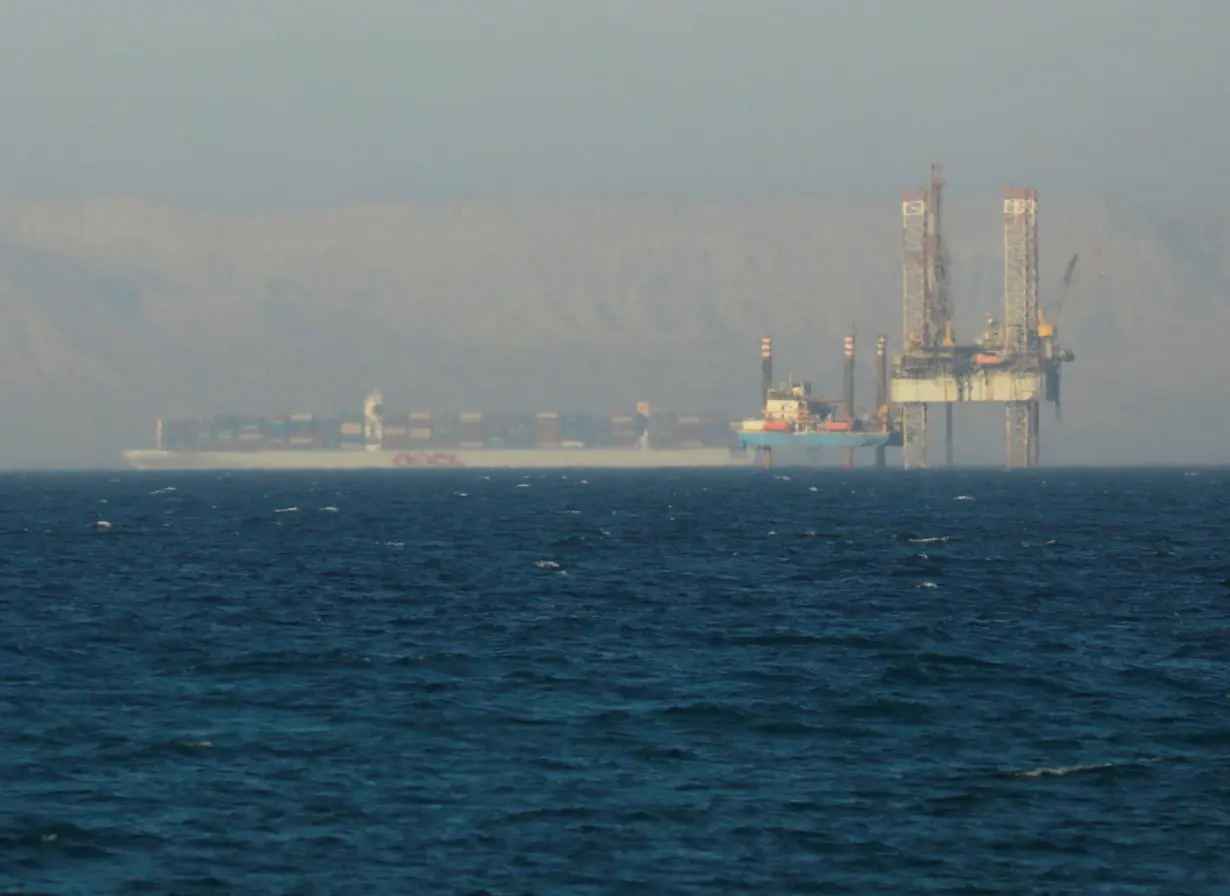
[{"x": 602, "y": 682}]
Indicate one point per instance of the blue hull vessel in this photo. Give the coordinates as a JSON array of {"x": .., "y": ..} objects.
[{"x": 814, "y": 439}]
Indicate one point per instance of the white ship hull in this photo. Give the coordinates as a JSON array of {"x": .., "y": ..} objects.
[{"x": 491, "y": 459}]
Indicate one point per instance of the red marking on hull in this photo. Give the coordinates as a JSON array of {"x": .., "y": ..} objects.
[{"x": 427, "y": 459}]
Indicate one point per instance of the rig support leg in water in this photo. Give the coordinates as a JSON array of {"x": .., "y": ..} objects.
[
  {"x": 847, "y": 458},
  {"x": 948, "y": 433},
  {"x": 766, "y": 458}
]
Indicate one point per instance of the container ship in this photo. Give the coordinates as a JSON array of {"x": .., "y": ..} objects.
[{"x": 432, "y": 440}]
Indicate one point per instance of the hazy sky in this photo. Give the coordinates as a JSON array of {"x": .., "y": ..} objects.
[{"x": 282, "y": 103}]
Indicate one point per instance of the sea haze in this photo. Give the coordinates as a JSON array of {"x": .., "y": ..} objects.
[{"x": 611, "y": 682}]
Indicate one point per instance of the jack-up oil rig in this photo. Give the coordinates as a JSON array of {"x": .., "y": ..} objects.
[{"x": 1017, "y": 360}]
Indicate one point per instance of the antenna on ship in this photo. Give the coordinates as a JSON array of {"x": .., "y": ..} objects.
[{"x": 766, "y": 369}]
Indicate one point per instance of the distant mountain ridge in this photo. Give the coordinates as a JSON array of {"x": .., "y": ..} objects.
[{"x": 121, "y": 310}]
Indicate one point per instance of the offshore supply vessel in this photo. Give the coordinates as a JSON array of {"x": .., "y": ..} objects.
[
  {"x": 793, "y": 417},
  {"x": 429, "y": 440}
]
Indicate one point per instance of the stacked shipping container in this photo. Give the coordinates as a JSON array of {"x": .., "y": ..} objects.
[
  {"x": 624, "y": 431},
  {"x": 302, "y": 432},
  {"x": 470, "y": 429},
  {"x": 664, "y": 431},
  {"x": 396, "y": 432},
  {"x": 717, "y": 430},
  {"x": 420, "y": 429},
  {"x": 547, "y": 433},
  {"x": 495, "y": 431},
  {"x": 690, "y": 432},
  {"x": 352, "y": 434},
  {"x": 585, "y": 430},
  {"x": 445, "y": 430}
]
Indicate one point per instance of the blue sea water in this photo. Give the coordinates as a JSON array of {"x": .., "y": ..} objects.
[{"x": 610, "y": 682}]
